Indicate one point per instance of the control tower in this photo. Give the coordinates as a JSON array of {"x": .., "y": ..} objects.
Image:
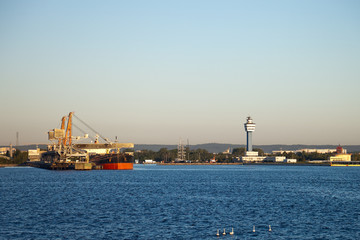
[{"x": 249, "y": 128}]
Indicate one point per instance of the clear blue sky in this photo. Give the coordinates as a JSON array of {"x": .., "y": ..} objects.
[{"x": 156, "y": 71}]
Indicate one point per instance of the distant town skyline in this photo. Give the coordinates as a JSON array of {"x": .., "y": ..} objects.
[{"x": 152, "y": 72}]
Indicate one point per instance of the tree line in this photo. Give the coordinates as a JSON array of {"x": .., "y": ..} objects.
[
  {"x": 195, "y": 155},
  {"x": 18, "y": 157},
  {"x": 202, "y": 155}
]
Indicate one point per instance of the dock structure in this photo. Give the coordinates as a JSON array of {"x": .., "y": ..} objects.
[{"x": 63, "y": 154}]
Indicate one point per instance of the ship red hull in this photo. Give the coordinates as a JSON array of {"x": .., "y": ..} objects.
[{"x": 117, "y": 166}]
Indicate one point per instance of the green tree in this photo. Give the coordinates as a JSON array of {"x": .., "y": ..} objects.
[
  {"x": 19, "y": 157},
  {"x": 145, "y": 154},
  {"x": 260, "y": 151},
  {"x": 290, "y": 155},
  {"x": 238, "y": 151},
  {"x": 172, "y": 155},
  {"x": 301, "y": 156},
  {"x": 355, "y": 157},
  {"x": 162, "y": 155}
]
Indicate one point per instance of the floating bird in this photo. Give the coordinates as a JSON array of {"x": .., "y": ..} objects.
[
  {"x": 254, "y": 228},
  {"x": 232, "y": 231},
  {"x": 218, "y": 234},
  {"x": 224, "y": 233},
  {"x": 269, "y": 228}
]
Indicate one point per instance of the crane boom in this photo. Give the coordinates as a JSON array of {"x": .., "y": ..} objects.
[
  {"x": 105, "y": 139},
  {"x": 67, "y": 139},
  {"x": 62, "y": 126}
]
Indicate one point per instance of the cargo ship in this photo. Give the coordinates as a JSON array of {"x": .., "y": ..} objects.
[
  {"x": 63, "y": 154},
  {"x": 109, "y": 156},
  {"x": 117, "y": 161}
]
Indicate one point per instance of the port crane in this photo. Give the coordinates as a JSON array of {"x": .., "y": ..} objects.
[
  {"x": 63, "y": 153},
  {"x": 64, "y": 135}
]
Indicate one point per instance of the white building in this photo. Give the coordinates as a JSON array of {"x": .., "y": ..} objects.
[
  {"x": 276, "y": 159},
  {"x": 4, "y": 150},
  {"x": 251, "y": 156},
  {"x": 282, "y": 151},
  {"x": 149, "y": 161},
  {"x": 307, "y": 150},
  {"x": 34, "y": 154}
]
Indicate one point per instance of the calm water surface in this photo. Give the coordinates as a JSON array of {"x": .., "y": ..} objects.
[{"x": 181, "y": 202}]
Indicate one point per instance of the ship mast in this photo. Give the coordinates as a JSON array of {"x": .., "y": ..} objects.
[{"x": 181, "y": 152}]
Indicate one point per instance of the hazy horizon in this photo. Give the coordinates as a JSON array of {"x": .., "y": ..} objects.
[{"x": 151, "y": 72}]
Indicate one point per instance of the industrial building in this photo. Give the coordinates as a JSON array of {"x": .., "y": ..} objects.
[
  {"x": 4, "y": 150},
  {"x": 344, "y": 157},
  {"x": 322, "y": 151},
  {"x": 34, "y": 154},
  {"x": 307, "y": 150}
]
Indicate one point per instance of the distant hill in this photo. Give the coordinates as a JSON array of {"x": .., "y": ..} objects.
[
  {"x": 210, "y": 147},
  {"x": 219, "y": 147}
]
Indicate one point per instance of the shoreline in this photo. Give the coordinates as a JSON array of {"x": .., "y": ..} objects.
[
  {"x": 2, "y": 165},
  {"x": 240, "y": 163}
]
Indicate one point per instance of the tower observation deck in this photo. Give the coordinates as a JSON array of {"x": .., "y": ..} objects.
[{"x": 249, "y": 128}]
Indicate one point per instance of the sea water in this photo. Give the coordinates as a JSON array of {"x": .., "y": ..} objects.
[{"x": 181, "y": 202}]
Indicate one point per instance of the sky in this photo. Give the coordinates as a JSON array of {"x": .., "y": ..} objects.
[{"x": 154, "y": 72}]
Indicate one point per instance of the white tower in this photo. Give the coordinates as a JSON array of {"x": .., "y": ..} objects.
[{"x": 249, "y": 128}]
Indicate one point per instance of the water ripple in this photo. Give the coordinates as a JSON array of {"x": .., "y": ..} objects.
[{"x": 181, "y": 202}]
